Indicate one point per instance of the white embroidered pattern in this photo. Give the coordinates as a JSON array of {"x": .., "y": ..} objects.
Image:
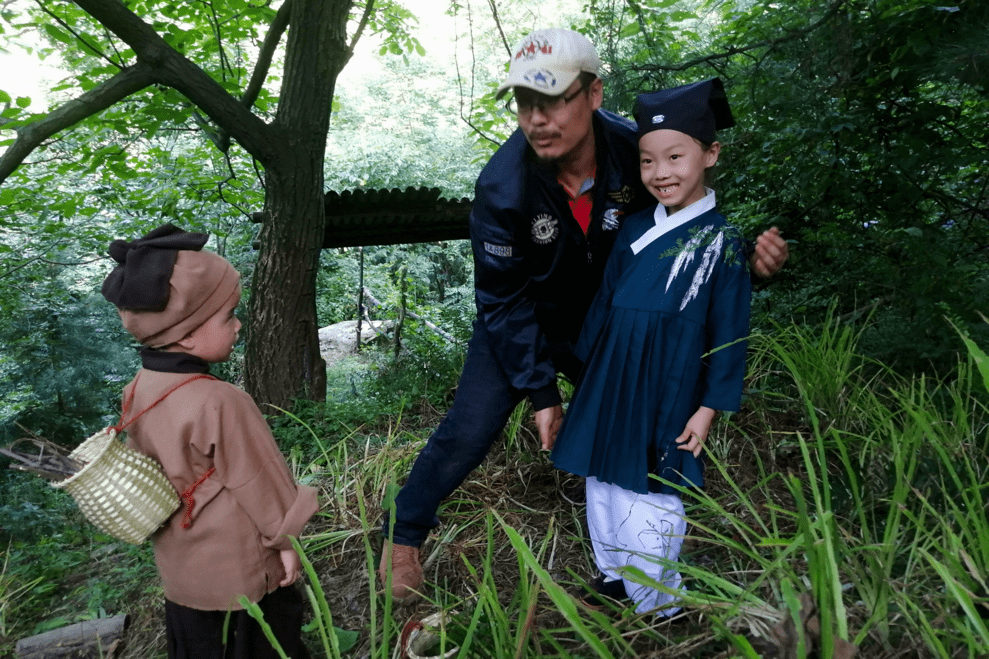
[
  {"x": 545, "y": 229},
  {"x": 706, "y": 268}
]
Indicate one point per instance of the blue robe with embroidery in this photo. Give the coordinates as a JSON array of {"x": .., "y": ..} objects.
[{"x": 645, "y": 346}]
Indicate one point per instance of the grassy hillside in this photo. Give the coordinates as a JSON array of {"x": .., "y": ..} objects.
[{"x": 842, "y": 496}]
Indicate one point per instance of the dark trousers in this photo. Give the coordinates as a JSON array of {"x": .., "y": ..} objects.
[
  {"x": 481, "y": 407},
  {"x": 194, "y": 634}
]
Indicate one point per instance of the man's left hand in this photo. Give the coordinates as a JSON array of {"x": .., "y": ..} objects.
[
  {"x": 548, "y": 422},
  {"x": 771, "y": 252}
]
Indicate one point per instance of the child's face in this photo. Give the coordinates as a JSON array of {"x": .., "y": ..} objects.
[
  {"x": 214, "y": 340},
  {"x": 672, "y": 167}
]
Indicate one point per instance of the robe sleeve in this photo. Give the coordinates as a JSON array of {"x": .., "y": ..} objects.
[
  {"x": 249, "y": 464},
  {"x": 728, "y": 323}
]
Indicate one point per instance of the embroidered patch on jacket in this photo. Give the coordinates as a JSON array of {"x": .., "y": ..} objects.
[
  {"x": 498, "y": 250},
  {"x": 545, "y": 229},
  {"x": 611, "y": 221},
  {"x": 622, "y": 196}
]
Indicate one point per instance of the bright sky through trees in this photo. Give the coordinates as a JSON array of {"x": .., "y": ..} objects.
[{"x": 22, "y": 74}]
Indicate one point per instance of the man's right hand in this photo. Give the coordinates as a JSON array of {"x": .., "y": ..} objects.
[{"x": 548, "y": 422}]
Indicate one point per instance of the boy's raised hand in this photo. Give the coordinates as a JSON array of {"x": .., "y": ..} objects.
[
  {"x": 293, "y": 566},
  {"x": 771, "y": 252},
  {"x": 695, "y": 434}
]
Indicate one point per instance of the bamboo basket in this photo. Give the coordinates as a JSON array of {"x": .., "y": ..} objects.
[{"x": 123, "y": 492}]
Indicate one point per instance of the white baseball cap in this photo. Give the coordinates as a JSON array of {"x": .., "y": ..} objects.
[{"x": 548, "y": 61}]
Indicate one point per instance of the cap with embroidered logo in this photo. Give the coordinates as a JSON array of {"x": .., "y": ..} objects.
[
  {"x": 548, "y": 61},
  {"x": 698, "y": 110}
]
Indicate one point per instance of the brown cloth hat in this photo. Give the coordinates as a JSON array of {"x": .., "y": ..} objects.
[{"x": 165, "y": 287}]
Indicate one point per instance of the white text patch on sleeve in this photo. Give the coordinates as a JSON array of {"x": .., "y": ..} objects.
[{"x": 498, "y": 250}]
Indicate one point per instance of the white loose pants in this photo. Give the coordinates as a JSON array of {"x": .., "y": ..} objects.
[{"x": 629, "y": 529}]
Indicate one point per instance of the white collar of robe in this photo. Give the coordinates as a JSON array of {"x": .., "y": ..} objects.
[{"x": 666, "y": 222}]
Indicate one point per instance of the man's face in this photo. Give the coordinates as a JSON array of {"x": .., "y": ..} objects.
[{"x": 558, "y": 127}]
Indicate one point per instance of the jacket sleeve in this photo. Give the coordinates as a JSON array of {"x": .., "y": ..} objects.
[
  {"x": 505, "y": 306},
  {"x": 727, "y": 328},
  {"x": 249, "y": 464}
]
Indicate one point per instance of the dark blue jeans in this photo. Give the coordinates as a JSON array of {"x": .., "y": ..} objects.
[{"x": 480, "y": 410}]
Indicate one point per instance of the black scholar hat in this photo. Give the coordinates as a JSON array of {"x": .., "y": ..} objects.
[{"x": 697, "y": 109}]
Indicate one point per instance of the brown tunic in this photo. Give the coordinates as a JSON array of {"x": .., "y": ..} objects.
[{"x": 243, "y": 513}]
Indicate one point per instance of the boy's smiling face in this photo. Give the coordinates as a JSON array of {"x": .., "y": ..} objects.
[{"x": 672, "y": 167}]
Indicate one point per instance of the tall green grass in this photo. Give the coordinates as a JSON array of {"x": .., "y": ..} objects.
[
  {"x": 880, "y": 517},
  {"x": 839, "y": 483}
]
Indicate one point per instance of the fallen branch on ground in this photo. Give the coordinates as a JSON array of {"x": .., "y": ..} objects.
[{"x": 374, "y": 301}]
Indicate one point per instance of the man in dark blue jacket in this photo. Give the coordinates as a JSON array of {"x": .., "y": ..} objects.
[{"x": 547, "y": 208}]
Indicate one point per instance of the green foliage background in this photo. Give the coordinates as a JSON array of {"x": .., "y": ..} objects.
[{"x": 860, "y": 133}]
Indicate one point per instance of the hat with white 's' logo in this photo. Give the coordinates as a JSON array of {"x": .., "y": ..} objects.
[
  {"x": 548, "y": 61},
  {"x": 698, "y": 110}
]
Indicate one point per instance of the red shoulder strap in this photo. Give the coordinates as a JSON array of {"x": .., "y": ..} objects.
[{"x": 130, "y": 399}]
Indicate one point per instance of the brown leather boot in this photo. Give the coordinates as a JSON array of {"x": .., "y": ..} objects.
[{"x": 406, "y": 572}]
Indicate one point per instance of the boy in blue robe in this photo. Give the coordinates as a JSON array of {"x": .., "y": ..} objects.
[{"x": 663, "y": 347}]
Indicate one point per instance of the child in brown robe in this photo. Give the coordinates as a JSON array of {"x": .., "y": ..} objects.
[{"x": 240, "y": 504}]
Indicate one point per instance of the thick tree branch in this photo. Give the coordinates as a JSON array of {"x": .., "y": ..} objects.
[
  {"x": 171, "y": 68},
  {"x": 267, "y": 54},
  {"x": 129, "y": 81},
  {"x": 368, "y": 10},
  {"x": 221, "y": 138}
]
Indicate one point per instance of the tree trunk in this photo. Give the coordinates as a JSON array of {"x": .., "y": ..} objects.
[{"x": 283, "y": 361}]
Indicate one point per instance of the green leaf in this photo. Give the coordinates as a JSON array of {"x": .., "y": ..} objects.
[
  {"x": 680, "y": 16},
  {"x": 978, "y": 355},
  {"x": 629, "y": 30},
  {"x": 58, "y": 34},
  {"x": 255, "y": 612}
]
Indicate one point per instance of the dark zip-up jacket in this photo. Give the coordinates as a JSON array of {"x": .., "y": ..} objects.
[{"x": 535, "y": 272}]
